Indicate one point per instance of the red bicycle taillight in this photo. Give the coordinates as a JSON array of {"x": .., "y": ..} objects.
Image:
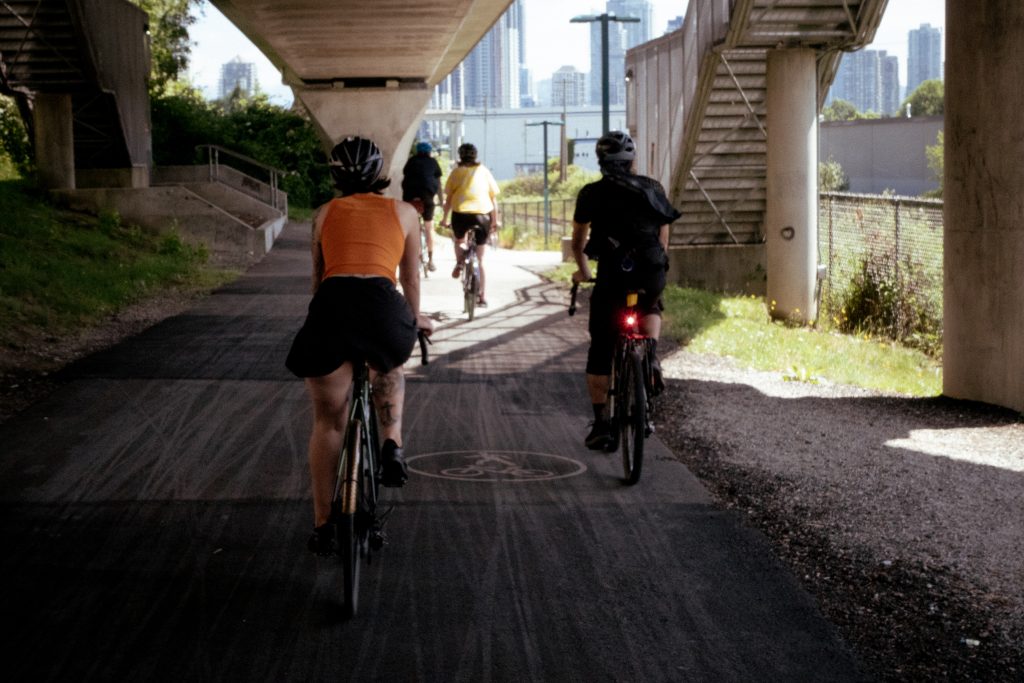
[{"x": 630, "y": 320}]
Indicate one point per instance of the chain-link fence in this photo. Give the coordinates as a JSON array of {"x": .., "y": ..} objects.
[{"x": 884, "y": 259}]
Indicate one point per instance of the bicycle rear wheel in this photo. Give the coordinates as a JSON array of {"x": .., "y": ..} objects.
[
  {"x": 633, "y": 415},
  {"x": 470, "y": 289},
  {"x": 352, "y": 511}
]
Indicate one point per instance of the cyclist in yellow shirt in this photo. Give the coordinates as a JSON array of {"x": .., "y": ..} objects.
[{"x": 469, "y": 196}]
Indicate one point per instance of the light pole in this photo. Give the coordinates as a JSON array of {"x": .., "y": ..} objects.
[
  {"x": 604, "y": 19},
  {"x": 547, "y": 204}
]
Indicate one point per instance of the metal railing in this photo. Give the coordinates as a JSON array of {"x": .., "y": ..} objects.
[
  {"x": 270, "y": 194},
  {"x": 529, "y": 215}
]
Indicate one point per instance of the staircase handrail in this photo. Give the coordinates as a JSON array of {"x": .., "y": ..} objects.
[{"x": 213, "y": 153}]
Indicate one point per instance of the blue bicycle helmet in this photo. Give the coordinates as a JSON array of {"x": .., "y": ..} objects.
[{"x": 424, "y": 147}]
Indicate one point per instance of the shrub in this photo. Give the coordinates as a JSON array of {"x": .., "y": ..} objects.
[
  {"x": 14, "y": 143},
  {"x": 892, "y": 302}
]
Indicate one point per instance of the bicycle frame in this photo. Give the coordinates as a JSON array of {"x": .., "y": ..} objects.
[{"x": 350, "y": 463}]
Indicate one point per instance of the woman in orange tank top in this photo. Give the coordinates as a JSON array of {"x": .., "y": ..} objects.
[{"x": 359, "y": 240}]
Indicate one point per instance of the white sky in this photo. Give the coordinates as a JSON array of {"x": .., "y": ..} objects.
[{"x": 551, "y": 41}]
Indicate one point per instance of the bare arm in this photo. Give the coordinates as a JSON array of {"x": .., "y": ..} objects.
[
  {"x": 409, "y": 266},
  {"x": 579, "y": 239},
  {"x": 315, "y": 248},
  {"x": 663, "y": 237}
]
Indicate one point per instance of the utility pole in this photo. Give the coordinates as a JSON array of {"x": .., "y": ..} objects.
[
  {"x": 604, "y": 19},
  {"x": 547, "y": 201}
]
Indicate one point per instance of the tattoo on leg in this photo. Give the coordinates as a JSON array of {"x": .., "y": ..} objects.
[{"x": 388, "y": 390}]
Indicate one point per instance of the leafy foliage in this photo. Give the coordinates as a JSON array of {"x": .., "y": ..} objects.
[
  {"x": 936, "y": 155},
  {"x": 14, "y": 143},
  {"x": 533, "y": 185},
  {"x": 840, "y": 110},
  {"x": 928, "y": 99},
  {"x": 889, "y": 301},
  {"x": 170, "y": 46},
  {"x": 831, "y": 177},
  {"x": 282, "y": 138}
]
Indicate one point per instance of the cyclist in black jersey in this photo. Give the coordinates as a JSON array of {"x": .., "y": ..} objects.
[
  {"x": 622, "y": 222},
  {"x": 421, "y": 183}
]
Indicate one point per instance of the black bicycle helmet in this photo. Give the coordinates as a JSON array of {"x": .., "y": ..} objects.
[
  {"x": 615, "y": 146},
  {"x": 356, "y": 165},
  {"x": 467, "y": 153}
]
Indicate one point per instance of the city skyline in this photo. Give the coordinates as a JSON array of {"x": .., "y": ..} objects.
[{"x": 549, "y": 40}]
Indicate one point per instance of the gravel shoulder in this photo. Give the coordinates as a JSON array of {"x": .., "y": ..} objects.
[{"x": 903, "y": 516}]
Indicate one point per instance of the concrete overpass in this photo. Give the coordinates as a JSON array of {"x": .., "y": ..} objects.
[{"x": 365, "y": 68}]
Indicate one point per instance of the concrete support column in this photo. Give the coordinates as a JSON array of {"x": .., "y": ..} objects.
[
  {"x": 54, "y": 141},
  {"x": 389, "y": 117},
  {"x": 791, "y": 221},
  {"x": 983, "y": 355}
]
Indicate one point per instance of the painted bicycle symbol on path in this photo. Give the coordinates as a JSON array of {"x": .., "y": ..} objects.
[{"x": 495, "y": 466}]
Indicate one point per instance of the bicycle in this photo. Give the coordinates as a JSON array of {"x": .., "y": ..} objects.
[
  {"x": 470, "y": 280},
  {"x": 631, "y": 387},
  {"x": 354, "y": 508}
]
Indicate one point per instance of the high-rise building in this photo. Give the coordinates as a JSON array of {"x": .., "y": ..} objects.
[
  {"x": 621, "y": 37},
  {"x": 568, "y": 87},
  {"x": 868, "y": 79},
  {"x": 493, "y": 71},
  {"x": 924, "y": 56},
  {"x": 240, "y": 75}
]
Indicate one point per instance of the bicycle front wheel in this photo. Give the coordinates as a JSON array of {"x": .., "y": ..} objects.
[{"x": 633, "y": 416}]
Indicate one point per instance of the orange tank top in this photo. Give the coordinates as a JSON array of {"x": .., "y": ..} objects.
[{"x": 361, "y": 235}]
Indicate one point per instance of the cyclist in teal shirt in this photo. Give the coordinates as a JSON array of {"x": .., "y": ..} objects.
[{"x": 621, "y": 221}]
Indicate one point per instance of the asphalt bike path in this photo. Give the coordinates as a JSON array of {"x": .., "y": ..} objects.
[{"x": 154, "y": 514}]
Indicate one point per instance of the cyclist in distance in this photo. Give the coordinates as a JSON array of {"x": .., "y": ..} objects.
[
  {"x": 421, "y": 181},
  {"x": 356, "y": 314},
  {"x": 622, "y": 222},
  {"x": 469, "y": 195}
]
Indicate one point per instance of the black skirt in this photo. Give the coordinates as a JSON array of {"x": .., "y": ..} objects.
[{"x": 353, "y": 319}]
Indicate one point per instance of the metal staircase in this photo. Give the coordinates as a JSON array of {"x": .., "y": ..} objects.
[
  {"x": 96, "y": 53},
  {"x": 712, "y": 157}
]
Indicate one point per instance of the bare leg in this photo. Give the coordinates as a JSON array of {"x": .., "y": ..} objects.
[
  {"x": 388, "y": 398},
  {"x": 597, "y": 385},
  {"x": 429, "y": 227},
  {"x": 651, "y": 325},
  {"x": 330, "y": 405}
]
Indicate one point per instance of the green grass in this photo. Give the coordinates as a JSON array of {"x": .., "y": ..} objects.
[
  {"x": 62, "y": 271},
  {"x": 739, "y": 327}
]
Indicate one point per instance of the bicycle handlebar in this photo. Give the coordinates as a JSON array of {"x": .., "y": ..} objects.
[{"x": 424, "y": 340}]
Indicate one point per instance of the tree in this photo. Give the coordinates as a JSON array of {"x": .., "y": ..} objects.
[
  {"x": 935, "y": 155},
  {"x": 840, "y": 110},
  {"x": 928, "y": 99},
  {"x": 170, "y": 46},
  {"x": 831, "y": 177}
]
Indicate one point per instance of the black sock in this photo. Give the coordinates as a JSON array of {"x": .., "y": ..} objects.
[
  {"x": 598, "y": 411},
  {"x": 653, "y": 351}
]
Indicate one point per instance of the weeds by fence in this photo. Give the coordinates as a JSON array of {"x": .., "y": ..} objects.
[{"x": 884, "y": 258}]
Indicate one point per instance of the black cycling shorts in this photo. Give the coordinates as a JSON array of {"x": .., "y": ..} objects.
[
  {"x": 480, "y": 223},
  {"x": 353, "y": 319},
  {"x": 425, "y": 199},
  {"x": 607, "y": 306}
]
